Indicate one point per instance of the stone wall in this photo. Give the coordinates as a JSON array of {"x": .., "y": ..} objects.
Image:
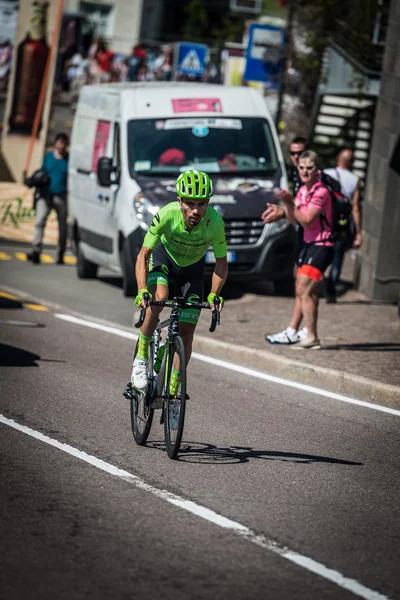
[{"x": 380, "y": 253}]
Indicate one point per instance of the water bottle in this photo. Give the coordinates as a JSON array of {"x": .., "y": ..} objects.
[{"x": 159, "y": 357}]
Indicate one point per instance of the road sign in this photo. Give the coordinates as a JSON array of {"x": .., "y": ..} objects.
[
  {"x": 190, "y": 59},
  {"x": 265, "y": 55},
  {"x": 246, "y": 6}
]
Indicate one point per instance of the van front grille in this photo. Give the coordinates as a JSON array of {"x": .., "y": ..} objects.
[{"x": 243, "y": 233}]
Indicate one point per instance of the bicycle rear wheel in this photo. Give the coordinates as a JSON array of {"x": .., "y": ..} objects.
[
  {"x": 141, "y": 413},
  {"x": 174, "y": 407}
]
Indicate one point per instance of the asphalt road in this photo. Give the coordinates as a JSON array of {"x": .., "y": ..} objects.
[{"x": 315, "y": 481}]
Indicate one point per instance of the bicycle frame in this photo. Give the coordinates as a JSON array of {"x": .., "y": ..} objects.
[
  {"x": 158, "y": 393},
  {"x": 177, "y": 304},
  {"x": 172, "y": 323}
]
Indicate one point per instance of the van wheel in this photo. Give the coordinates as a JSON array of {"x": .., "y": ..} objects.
[
  {"x": 129, "y": 286},
  {"x": 85, "y": 269}
]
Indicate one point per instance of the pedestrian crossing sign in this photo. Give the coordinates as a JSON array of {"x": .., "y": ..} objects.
[{"x": 190, "y": 59}]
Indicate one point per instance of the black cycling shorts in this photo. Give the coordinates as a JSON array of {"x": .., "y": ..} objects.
[
  {"x": 313, "y": 260},
  {"x": 187, "y": 282}
]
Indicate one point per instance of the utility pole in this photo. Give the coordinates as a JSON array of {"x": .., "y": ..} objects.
[{"x": 288, "y": 54}]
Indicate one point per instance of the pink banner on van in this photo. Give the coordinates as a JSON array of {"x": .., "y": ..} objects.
[
  {"x": 181, "y": 105},
  {"x": 100, "y": 142}
]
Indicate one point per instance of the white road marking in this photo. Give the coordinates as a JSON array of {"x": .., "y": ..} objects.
[
  {"x": 100, "y": 326},
  {"x": 239, "y": 368},
  {"x": 300, "y": 386},
  {"x": 207, "y": 514}
]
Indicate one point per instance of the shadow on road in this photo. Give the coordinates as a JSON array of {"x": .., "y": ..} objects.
[
  {"x": 9, "y": 303},
  {"x": 11, "y": 356},
  {"x": 197, "y": 452},
  {"x": 373, "y": 347}
]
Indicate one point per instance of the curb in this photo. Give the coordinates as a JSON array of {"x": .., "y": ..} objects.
[{"x": 347, "y": 384}]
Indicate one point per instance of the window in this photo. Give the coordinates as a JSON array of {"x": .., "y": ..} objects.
[
  {"x": 214, "y": 145},
  {"x": 117, "y": 147}
]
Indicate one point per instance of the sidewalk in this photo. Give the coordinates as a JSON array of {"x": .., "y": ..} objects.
[{"x": 360, "y": 353}]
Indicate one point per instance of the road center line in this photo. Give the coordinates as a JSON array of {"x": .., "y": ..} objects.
[
  {"x": 238, "y": 368},
  {"x": 207, "y": 514}
]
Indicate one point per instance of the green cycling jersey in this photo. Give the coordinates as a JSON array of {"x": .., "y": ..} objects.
[{"x": 186, "y": 247}]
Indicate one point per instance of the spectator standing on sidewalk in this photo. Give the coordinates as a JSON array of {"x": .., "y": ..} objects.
[
  {"x": 56, "y": 166},
  {"x": 273, "y": 212},
  {"x": 163, "y": 64},
  {"x": 350, "y": 187},
  {"x": 136, "y": 58},
  {"x": 100, "y": 62},
  {"x": 312, "y": 209},
  {"x": 144, "y": 74},
  {"x": 297, "y": 146}
]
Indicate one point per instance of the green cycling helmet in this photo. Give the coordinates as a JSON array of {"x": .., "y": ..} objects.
[{"x": 195, "y": 185}]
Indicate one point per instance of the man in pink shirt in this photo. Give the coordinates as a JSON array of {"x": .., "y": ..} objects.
[{"x": 312, "y": 209}]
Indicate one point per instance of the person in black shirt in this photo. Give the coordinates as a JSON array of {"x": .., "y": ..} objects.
[{"x": 297, "y": 146}]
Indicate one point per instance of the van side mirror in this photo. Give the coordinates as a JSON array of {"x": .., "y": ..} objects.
[{"x": 107, "y": 174}]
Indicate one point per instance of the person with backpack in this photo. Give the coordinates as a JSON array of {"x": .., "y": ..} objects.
[
  {"x": 349, "y": 186},
  {"x": 273, "y": 213},
  {"x": 312, "y": 208},
  {"x": 51, "y": 194}
]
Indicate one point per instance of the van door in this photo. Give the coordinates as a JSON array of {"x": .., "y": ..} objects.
[
  {"x": 112, "y": 229},
  {"x": 101, "y": 245},
  {"x": 81, "y": 180}
]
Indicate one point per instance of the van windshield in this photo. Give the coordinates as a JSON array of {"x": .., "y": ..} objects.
[{"x": 215, "y": 145}]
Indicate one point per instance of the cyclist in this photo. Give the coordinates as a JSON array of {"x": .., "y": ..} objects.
[{"x": 172, "y": 260}]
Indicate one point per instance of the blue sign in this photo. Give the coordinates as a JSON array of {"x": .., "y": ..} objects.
[
  {"x": 190, "y": 59},
  {"x": 265, "y": 55}
]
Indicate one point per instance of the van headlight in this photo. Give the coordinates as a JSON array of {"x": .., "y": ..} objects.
[
  {"x": 278, "y": 226},
  {"x": 144, "y": 210}
]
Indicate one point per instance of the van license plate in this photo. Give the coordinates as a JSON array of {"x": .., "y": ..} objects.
[{"x": 210, "y": 258}]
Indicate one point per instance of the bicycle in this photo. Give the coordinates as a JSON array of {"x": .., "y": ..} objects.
[{"x": 161, "y": 359}]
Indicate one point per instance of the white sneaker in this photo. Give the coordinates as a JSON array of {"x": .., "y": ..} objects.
[
  {"x": 139, "y": 374},
  {"x": 287, "y": 336},
  {"x": 302, "y": 334}
]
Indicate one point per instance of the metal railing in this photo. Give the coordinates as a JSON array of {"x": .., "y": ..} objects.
[{"x": 360, "y": 47}]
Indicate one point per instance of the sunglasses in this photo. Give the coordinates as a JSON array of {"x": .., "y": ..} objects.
[
  {"x": 306, "y": 168},
  {"x": 296, "y": 153}
]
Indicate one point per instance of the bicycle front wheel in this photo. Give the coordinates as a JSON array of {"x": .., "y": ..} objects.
[
  {"x": 175, "y": 403},
  {"x": 141, "y": 413}
]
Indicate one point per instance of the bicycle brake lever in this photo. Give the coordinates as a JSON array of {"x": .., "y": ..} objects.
[
  {"x": 215, "y": 318},
  {"x": 146, "y": 298}
]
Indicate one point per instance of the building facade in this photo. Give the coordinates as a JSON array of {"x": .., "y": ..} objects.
[
  {"x": 117, "y": 21},
  {"x": 380, "y": 253}
]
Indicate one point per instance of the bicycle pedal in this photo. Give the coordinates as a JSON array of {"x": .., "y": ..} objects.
[{"x": 128, "y": 392}]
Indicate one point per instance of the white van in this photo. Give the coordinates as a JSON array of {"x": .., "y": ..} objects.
[{"x": 129, "y": 143}]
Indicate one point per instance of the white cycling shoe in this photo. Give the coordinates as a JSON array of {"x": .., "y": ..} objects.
[
  {"x": 139, "y": 374},
  {"x": 287, "y": 336}
]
